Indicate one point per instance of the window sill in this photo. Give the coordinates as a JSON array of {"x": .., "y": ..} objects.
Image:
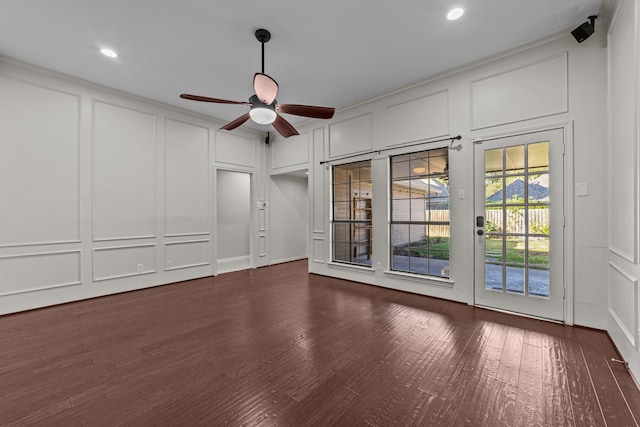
[
  {"x": 346, "y": 266},
  {"x": 428, "y": 280}
]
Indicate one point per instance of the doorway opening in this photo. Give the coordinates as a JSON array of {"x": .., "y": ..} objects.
[
  {"x": 233, "y": 227},
  {"x": 289, "y": 216}
]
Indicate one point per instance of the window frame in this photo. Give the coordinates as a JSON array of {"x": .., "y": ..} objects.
[
  {"x": 350, "y": 205},
  {"x": 427, "y": 201}
]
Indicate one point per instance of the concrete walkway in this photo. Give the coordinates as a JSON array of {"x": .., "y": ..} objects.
[{"x": 538, "y": 279}]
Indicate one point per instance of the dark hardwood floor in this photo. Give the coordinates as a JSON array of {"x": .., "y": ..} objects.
[{"x": 276, "y": 346}]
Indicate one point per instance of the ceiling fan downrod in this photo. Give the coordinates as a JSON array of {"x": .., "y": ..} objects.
[{"x": 263, "y": 37}]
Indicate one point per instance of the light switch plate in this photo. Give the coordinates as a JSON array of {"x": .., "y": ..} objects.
[{"x": 582, "y": 189}]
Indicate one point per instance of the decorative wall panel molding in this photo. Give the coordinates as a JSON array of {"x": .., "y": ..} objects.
[
  {"x": 318, "y": 250},
  {"x": 124, "y": 173},
  {"x": 418, "y": 119},
  {"x": 319, "y": 188},
  {"x": 39, "y": 164},
  {"x": 623, "y": 141},
  {"x": 187, "y": 181},
  {"x": 262, "y": 221},
  {"x": 38, "y": 271},
  {"x": 532, "y": 91},
  {"x": 350, "y": 136},
  {"x": 262, "y": 246},
  {"x": 235, "y": 149},
  {"x": 292, "y": 151},
  {"x": 623, "y": 302},
  {"x": 123, "y": 261},
  {"x": 185, "y": 254}
]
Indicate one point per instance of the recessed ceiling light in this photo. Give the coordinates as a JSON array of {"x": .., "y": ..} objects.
[
  {"x": 109, "y": 52},
  {"x": 455, "y": 13}
]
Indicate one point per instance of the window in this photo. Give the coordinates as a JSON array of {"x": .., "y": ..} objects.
[
  {"x": 420, "y": 231},
  {"x": 351, "y": 218}
]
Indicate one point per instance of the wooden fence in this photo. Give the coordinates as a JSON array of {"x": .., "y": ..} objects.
[
  {"x": 538, "y": 223},
  {"x": 403, "y": 234},
  {"x": 515, "y": 220}
]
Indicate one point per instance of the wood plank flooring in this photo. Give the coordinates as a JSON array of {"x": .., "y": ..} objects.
[{"x": 278, "y": 347}]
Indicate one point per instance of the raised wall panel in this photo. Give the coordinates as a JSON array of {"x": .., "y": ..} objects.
[
  {"x": 123, "y": 261},
  {"x": 623, "y": 142},
  {"x": 319, "y": 187},
  {"x": 235, "y": 150},
  {"x": 290, "y": 151},
  {"x": 533, "y": 91},
  {"x": 124, "y": 159},
  {"x": 262, "y": 221},
  {"x": 418, "y": 119},
  {"x": 187, "y": 192},
  {"x": 262, "y": 246},
  {"x": 350, "y": 136},
  {"x": 39, "y": 165},
  {"x": 30, "y": 272},
  {"x": 318, "y": 250},
  {"x": 623, "y": 302},
  {"x": 187, "y": 254}
]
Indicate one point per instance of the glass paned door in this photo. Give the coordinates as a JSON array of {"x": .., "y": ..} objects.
[{"x": 519, "y": 224}]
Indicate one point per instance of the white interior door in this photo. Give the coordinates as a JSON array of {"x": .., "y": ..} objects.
[{"x": 519, "y": 242}]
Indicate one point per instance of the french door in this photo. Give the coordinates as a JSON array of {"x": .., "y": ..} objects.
[{"x": 519, "y": 224}]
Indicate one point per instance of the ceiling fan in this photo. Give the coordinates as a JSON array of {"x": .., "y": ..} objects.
[{"x": 264, "y": 107}]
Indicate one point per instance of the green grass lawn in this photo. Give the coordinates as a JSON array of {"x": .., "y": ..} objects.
[
  {"x": 538, "y": 251},
  {"x": 439, "y": 249}
]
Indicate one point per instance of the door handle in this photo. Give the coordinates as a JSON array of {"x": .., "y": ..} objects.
[{"x": 480, "y": 221}]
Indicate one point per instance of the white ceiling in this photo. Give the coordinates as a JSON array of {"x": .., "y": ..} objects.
[{"x": 328, "y": 52}]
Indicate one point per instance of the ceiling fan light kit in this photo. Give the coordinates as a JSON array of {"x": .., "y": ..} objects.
[
  {"x": 260, "y": 113},
  {"x": 264, "y": 108}
]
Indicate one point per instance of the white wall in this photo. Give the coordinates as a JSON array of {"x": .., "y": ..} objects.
[
  {"x": 234, "y": 214},
  {"x": 624, "y": 192},
  {"x": 102, "y": 192},
  {"x": 289, "y": 216},
  {"x": 556, "y": 83}
]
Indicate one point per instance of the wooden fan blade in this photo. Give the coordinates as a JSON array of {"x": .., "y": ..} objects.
[
  {"x": 284, "y": 127},
  {"x": 306, "y": 110},
  {"x": 207, "y": 99},
  {"x": 265, "y": 87},
  {"x": 237, "y": 122}
]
